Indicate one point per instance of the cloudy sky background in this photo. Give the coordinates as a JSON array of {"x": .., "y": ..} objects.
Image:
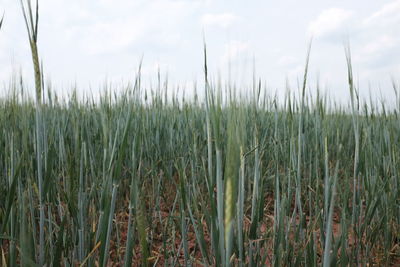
[{"x": 89, "y": 41}]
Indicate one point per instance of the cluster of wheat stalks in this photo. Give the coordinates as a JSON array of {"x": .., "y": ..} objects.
[{"x": 221, "y": 182}]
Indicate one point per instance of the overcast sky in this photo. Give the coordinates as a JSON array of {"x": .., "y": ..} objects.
[{"x": 87, "y": 41}]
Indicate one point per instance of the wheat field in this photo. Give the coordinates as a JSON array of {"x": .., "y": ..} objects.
[{"x": 219, "y": 180}]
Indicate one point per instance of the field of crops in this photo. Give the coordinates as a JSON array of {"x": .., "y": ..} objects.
[
  {"x": 135, "y": 179},
  {"x": 246, "y": 182}
]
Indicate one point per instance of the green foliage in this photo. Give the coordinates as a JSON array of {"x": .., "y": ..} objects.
[
  {"x": 135, "y": 178},
  {"x": 150, "y": 161}
]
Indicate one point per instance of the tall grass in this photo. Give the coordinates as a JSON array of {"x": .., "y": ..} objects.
[
  {"x": 1, "y": 21},
  {"x": 121, "y": 156},
  {"x": 231, "y": 180}
]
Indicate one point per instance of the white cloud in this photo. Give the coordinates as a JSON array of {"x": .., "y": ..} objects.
[
  {"x": 382, "y": 43},
  {"x": 222, "y": 20},
  {"x": 106, "y": 37},
  {"x": 379, "y": 53},
  {"x": 329, "y": 21},
  {"x": 388, "y": 14},
  {"x": 233, "y": 50},
  {"x": 106, "y": 32},
  {"x": 285, "y": 61},
  {"x": 85, "y": 41},
  {"x": 379, "y": 39},
  {"x": 296, "y": 72}
]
